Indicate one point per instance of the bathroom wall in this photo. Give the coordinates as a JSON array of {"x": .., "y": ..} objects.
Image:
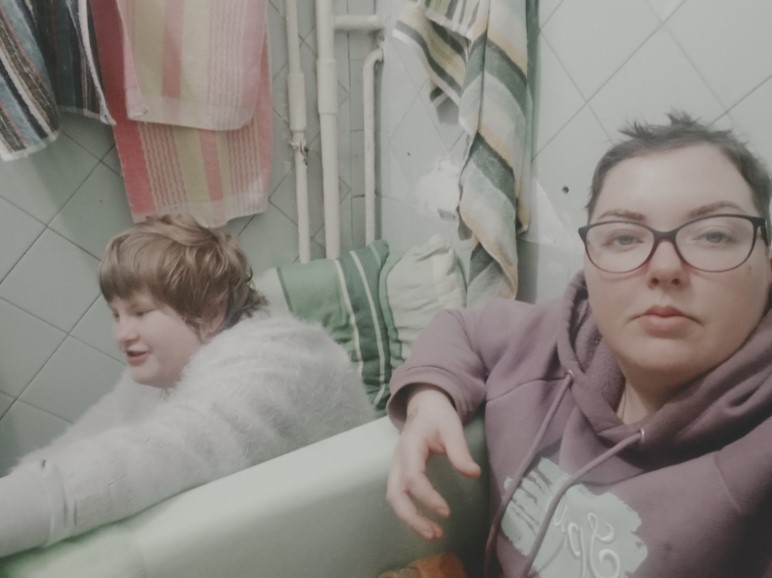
[
  {"x": 601, "y": 63},
  {"x": 59, "y": 207}
]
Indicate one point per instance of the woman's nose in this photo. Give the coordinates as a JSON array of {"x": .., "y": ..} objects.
[
  {"x": 123, "y": 330},
  {"x": 665, "y": 265}
]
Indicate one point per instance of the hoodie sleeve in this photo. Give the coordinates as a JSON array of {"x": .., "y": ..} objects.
[
  {"x": 244, "y": 398},
  {"x": 456, "y": 353}
]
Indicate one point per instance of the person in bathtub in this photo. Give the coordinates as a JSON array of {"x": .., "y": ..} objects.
[
  {"x": 216, "y": 382},
  {"x": 629, "y": 425}
]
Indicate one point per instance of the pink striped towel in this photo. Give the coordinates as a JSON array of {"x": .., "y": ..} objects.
[
  {"x": 193, "y": 63},
  {"x": 214, "y": 176}
]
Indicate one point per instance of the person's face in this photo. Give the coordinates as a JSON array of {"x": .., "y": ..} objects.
[
  {"x": 154, "y": 338},
  {"x": 665, "y": 321}
]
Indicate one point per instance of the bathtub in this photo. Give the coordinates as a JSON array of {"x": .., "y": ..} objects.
[{"x": 316, "y": 512}]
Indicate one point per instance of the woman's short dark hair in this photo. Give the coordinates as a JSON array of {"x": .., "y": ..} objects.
[{"x": 684, "y": 131}]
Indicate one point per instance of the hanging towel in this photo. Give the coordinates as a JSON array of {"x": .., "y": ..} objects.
[
  {"x": 476, "y": 53},
  {"x": 214, "y": 176},
  {"x": 193, "y": 63},
  {"x": 46, "y": 63}
]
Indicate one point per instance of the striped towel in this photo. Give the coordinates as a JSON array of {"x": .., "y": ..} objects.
[
  {"x": 195, "y": 64},
  {"x": 477, "y": 54},
  {"x": 214, "y": 176},
  {"x": 47, "y": 62}
]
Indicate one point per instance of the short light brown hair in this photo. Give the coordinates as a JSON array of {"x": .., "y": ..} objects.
[
  {"x": 684, "y": 131},
  {"x": 198, "y": 272}
]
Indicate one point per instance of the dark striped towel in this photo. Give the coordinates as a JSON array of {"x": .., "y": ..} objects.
[
  {"x": 47, "y": 62},
  {"x": 476, "y": 53}
]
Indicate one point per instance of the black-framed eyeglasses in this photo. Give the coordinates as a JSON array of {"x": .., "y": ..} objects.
[{"x": 715, "y": 243}]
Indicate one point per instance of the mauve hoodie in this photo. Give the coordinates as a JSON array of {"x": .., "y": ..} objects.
[{"x": 687, "y": 492}]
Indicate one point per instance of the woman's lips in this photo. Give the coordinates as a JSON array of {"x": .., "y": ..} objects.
[
  {"x": 136, "y": 358},
  {"x": 664, "y": 320}
]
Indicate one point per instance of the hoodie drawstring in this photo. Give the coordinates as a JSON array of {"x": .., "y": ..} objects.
[
  {"x": 544, "y": 527},
  {"x": 490, "y": 543}
]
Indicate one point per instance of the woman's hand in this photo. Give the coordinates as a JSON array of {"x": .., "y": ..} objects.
[{"x": 432, "y": 427}]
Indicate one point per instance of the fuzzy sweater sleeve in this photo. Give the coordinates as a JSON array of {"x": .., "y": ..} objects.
[{"x": 259, "y": 389}]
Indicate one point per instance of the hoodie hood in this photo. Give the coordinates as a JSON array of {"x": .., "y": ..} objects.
[{"x": 709, "y": 411}]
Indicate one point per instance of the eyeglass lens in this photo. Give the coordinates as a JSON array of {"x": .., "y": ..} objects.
[{"x": 715, "y": 243}]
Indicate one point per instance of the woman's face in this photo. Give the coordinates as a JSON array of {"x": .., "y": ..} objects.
[
  {"x": 666, "y": 322},
  {"x": 156, "y": 341}
]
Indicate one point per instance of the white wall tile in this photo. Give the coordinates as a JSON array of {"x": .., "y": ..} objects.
[
  {"x": 95, "y": 328},
  {"x": 411, "y": 62},
  {"x": 73, "y": 380},
  {"x": 25, "y": 344},
  {"x": 277, "y": 37},
  {"x": 556, "y": 100},
  {"x": 24, "y": 428},
  {"x": 269, "y": 240},
  {"x": 112, "y": 161},
  {"x": 568, "y": 162},
  {"x": 416, "y": 143},
  {"x": 728, "y": 42},
  {"x": 593, "y": 38},
  {"x": 92, "y": 134},
  {"x": 664, "y": 9},
  {"x": 17, "y": 232},
  {"x": 405, "y": 227},
  {"x": 95, "y": 213},
  {"x": 754, "y": 120},
  {"x": 42, "y": 183},
  {"x": 5, "y": 403},
  {"x": 657, "y": 79},
  {"x": 394, "y": 103},
  {"x": 400, "y": 187},
  {"x": 546, "y": 10},
  {"x": 444, "y": 117},
  {"x": 55, "y": 280}
]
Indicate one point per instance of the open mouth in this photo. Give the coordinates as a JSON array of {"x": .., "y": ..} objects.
[{"x": 136, "y": 357}]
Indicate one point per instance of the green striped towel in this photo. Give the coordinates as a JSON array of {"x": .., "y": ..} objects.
[
  {"x": 342, "y": 295},
  {"x": 476, "y": 53}
]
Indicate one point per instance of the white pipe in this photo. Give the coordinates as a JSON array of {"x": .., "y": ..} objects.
[
  {"x": 327, "y": 92},
  {"x": 368, "y": 100},
  {"x": 366, "y": 23},
  {"x": 296, "y": 96}
]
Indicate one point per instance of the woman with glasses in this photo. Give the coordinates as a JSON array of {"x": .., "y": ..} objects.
[{"x": 629, "y": 426}]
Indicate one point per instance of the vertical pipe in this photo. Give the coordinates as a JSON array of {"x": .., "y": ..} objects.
[
  {"x": 368, "y": 100},
  {"x": 297, "y": 119},
  {"x": 327, "y": 79}
]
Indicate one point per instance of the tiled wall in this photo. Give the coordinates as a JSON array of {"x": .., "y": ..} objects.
[
  {"x": 601, "y": 63},
  {"x": 59, "y": 207}
]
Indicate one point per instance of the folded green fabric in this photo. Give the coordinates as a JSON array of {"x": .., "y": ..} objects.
[{"x": 342, "y": 295}]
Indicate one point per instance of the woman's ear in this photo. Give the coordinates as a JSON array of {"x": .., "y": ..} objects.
[{"x": 212, "y": 325}]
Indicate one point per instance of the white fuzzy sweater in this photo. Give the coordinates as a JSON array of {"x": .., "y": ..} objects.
[{"x": 264, "y": 387}]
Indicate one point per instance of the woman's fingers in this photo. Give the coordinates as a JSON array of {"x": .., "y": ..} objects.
[
  {"x": 406, "y": 511},
  {"x": 432, "y": 427},
  {"x": 458, "y": 454}
]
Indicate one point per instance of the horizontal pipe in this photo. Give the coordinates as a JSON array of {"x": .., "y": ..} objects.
[{"x": 366, "y": 23}]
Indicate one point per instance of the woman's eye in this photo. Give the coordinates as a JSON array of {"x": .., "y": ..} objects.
[
  {"x": 625, "y": 240},
  {"x": 715, "y": 237},
  {"x": 622, "y": 239}
]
